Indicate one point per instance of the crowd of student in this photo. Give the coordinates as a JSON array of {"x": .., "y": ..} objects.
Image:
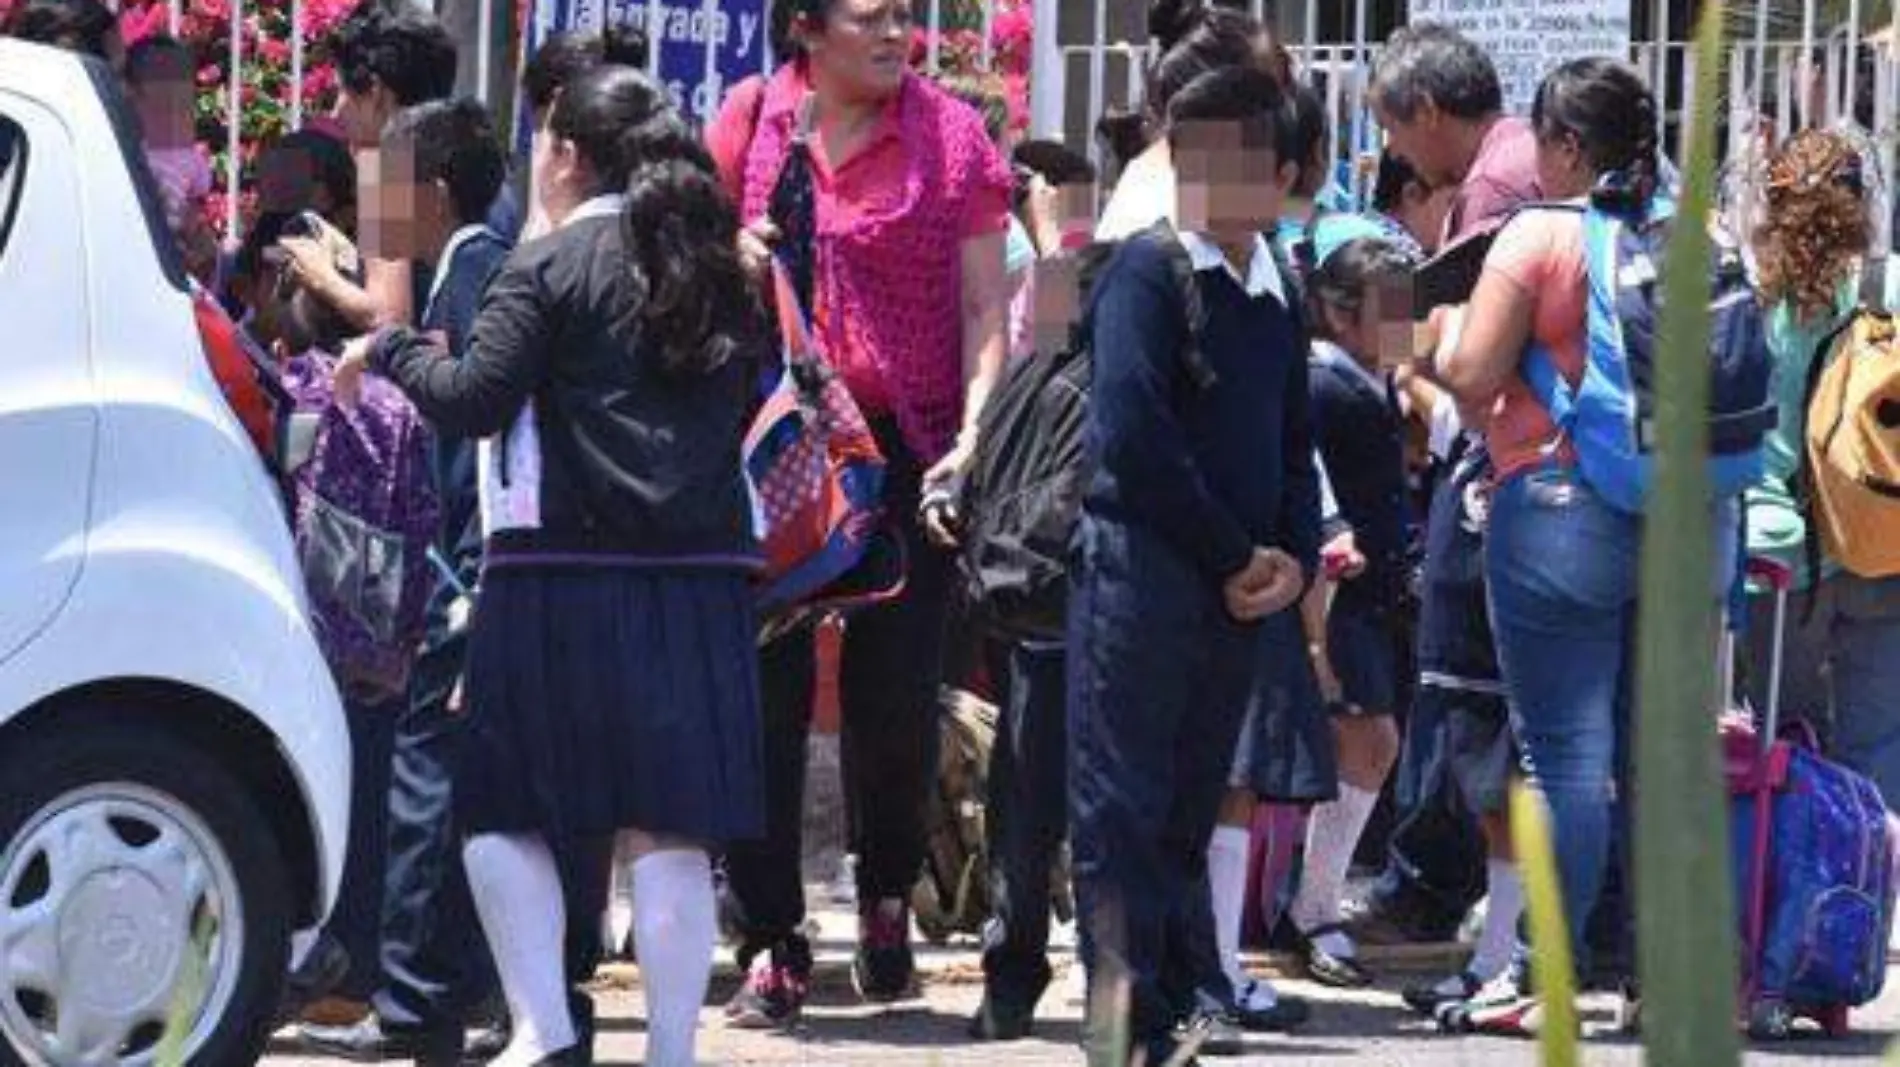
[{"x": 1305, "y": 523}]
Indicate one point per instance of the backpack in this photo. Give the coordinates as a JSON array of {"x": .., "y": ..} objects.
[
  {"x": 1813, "y": 866},
  {"x": 953, "y": 894},
  {"x": 816, "y": 478},
  {"x": 1023, "y": 494},
  {"x": 366, "y": 517},
  {"x": 1608, "y": 416},
  {"x": 1850, "y": 474}
]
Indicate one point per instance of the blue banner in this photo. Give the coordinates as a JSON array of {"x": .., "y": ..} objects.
[{"x": 703, "y": 48}]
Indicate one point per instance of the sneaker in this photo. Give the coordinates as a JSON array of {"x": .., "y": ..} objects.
[
  {"x": 1426, "y": 999},
  {"x": 884, "y": 969},
  {"x": 370, "y": 1041},
  {"x": 774, "y": 992},
  {"x": 1629, "y": 1010},
  {"x": 1210, "y": 1032},
  {"x": 1330, "y": 957},
  {"x": 1259, "y": 1009},
  {"x": 1505, "y": 1007}
]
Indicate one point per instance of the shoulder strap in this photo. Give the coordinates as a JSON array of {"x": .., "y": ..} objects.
[
  {"x": 1181, "y": 267},
  {"x": 1802, "y": 487}
]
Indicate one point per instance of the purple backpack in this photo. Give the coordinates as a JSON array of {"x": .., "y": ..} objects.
[{"x": 366, "y": 515}]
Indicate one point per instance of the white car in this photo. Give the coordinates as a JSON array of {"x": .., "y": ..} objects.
[{"x": 173, "y": 753}]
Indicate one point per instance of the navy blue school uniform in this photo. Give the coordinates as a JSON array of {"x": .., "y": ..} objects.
[
  {"x": 1361, "y": 435},
  {"x": 612, "y": 675},
  {"x": 1458, "y": 662},
  {"x": 1187, "y": 480}
]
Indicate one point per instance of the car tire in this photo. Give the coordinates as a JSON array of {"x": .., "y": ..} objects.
[{"x": 103, "y": 758}]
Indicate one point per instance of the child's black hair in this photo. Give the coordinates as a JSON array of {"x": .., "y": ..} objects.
[
  {"x": 399, "y": 45},
  {"x": 1055, "y": 162},
  {"x": 1343, "y": 278},
  {"x": 1394, "y": 177},
  {"x": 1245, "y": 95},
  {"x": 566, "y": 56},
  {"x": 158, "y": 56},
  {"x": 453, "y": 142},
  {"x": 81, "y": 24}
]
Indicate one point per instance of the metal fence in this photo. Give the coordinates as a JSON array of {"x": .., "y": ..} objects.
[{"x": 1338, "y": 69}]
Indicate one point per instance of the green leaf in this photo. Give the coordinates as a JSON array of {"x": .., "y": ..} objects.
[
  {"x": 1552, "y": 970},
  {"x": 1685, "y": 902},
  {"x": 187, "y": 995}
]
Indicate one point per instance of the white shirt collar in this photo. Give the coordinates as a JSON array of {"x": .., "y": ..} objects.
[
  {"x": 456, "y": 241},
  {"x": 605, "y": 204},
  {"x": 1334, "y": 355},
  {"x": 1263, "y": 274}
]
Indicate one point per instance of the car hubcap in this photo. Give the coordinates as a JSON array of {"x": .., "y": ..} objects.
[{"x": 99, "y": 897}]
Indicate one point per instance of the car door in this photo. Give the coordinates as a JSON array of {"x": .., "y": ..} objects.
[{"x": 48, "y": 411}]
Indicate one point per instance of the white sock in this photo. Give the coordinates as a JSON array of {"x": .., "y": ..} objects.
[
  {"x": 300, "y": 946},
  {"x": 1499, "y": 938},
  {"x": 674, "y": 929},
  {"x": 517, "y": 891},
  {"x": 1332, "y": 833},
  {"x": 1227, "y": 873}
]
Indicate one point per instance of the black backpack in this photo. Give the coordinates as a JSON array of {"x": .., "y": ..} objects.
[{"x": 1024, "y": 491}]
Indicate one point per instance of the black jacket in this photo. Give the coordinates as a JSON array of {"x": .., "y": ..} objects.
[{"x": 624, "y": 460}]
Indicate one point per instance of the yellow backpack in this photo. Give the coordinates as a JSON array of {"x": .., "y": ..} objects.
[{"x": 1852, "y": 462}]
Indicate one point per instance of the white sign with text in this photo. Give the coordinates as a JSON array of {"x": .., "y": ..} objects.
[{"x": 1529, "y": 38}]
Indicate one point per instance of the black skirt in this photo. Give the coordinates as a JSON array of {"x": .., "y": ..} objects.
[
  {"x": 609, "y": 698},
  {"x": 1287, "y": 753}
]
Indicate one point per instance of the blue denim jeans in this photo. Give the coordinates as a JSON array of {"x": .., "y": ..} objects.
[
  {"x": 1562, "y": 566},
  {"x": 1842, "y": 669}
]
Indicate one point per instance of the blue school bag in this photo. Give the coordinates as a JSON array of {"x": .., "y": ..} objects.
[{"x": 1608, "y": 416}]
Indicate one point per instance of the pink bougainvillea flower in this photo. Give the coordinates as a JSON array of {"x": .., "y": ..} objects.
[
  {"x": 274, "y": 51},
  {"x": 210, "y": 74},
  {"x": 138, "y": 25}
]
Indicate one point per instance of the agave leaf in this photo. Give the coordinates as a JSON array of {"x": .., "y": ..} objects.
[
  {"x": 1551, "y": 967},
  {"x": 1685, "y": 902},
  {"x": 187, "y": 995}
]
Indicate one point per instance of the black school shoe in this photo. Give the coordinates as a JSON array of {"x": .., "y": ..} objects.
[
  {"x": 1426, "y": 998},
  {"x": 491, "y": 1040},
  {"x": 1339, "y": 972},
  {"x": 884, "y": 970}
]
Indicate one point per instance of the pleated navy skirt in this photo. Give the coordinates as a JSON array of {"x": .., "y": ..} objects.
[
  {"x": 610, "y": 698},
  {"x": 1287, "y": 753}
]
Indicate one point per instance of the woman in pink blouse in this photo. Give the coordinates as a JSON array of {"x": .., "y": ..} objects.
[{"x": 889, "y": 203}]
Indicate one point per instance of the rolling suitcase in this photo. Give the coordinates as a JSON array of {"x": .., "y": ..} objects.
[{"x": 1812, "y": 864}]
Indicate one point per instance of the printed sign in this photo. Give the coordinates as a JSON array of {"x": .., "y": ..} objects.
[
  {"x": 1529, "y": 38},
  {"x": 703, "y": 47}
]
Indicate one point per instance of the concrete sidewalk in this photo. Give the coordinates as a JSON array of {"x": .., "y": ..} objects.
[{"x": 1360, "y": 1027}]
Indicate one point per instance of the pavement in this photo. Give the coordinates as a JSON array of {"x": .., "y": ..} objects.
[{"x": 1368, "y": 1027}]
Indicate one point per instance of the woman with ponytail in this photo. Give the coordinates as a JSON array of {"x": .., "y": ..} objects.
[
  {"x": 1561, "y": 563},
  {"x": 611, "y": 685}
]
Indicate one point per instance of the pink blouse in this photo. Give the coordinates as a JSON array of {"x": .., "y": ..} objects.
[{"x": 890, "y": 222}]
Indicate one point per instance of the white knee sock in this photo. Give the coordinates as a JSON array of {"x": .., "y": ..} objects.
[
  {"x": 1227, "y": 873},
  {"x": 517, "y": 891},
  {"x": 674, "y": 928},
  {"x": 1499, "y": 938},
  {"x": 1332, "y": 833}
]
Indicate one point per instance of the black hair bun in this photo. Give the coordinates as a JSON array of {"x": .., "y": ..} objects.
[
  {"x": 1171, "y": 20},
  {"x": 624, "y": 45}
]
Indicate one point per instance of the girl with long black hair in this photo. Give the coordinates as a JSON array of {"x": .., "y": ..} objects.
[{"x": 612, "y": 681}]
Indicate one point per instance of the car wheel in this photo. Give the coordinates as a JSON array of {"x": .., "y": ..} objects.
[{"x": 131, "y": 864}]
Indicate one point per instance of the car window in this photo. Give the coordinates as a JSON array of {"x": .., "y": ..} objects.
[{"x": 12, "y": 173}]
